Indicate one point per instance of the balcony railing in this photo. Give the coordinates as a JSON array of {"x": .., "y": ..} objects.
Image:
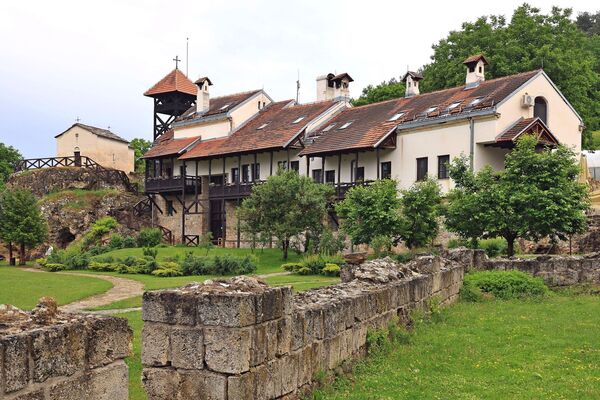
[
  {"x": 231, "y": 191},
  {"x": 172, "y": 184}
]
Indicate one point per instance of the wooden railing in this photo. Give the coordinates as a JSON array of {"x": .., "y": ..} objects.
[
  {"x": 78, "y": 162},
  {"x": 172, "y": 184},
  {"x": 191, "y": 240},
  {"x": 142, "y": 207},
  {"x": 167, "y": 235}
]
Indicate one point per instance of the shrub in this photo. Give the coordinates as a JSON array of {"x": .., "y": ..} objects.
[
  {"x": 331, "y": 270},
  {"x": 167, "y": 269},
  {"x": 329, "y": 243},
  {"x": 54, "y": 267},
  {"x": 105, "y": 259},
  {"x": 228, "y": 265},
  {"x": 149, "y": 265},
  {"x": 470, "y": 292},
  {"x": 150, "y": 252},
  {"x": 129, "y": 242},
  {"x": 315, "y": 263},
  {"x": 305, "y": 271},
  {"x": 72, "y": 258},
  {"x": 292, "y": 267},
  {"x": 381, "y": 245},
  {"x": 41, "y": 262},
  {"x": 115, "y": 242},
  {"x": 100, "y": 228},
  {"x": 504, "y": 284},
  {"x": 403, "y": 258},
  {"x": 493, "y": 247},
  {"x": 101, "y": 266},
  {"x": 195, "y": 265},
  {"x": 149, "y": 237},
  {"x": 96, "y": 250}
]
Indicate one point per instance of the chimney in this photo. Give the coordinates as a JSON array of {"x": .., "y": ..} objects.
[
  {"x": 475, "y": 70},
  {"x": 333, "y": 87},
  {"x": 411, "y": 79},
  {"x": 203, "y": 97}
]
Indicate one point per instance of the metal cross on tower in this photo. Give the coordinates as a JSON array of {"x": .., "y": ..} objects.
[{"x": 176, "y": 59}]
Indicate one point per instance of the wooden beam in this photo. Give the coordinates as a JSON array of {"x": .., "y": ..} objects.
[
  {"x": 323, "y": 169},
  {"x": 339, "y": 174},
  {"x": 378, "y": 163}
]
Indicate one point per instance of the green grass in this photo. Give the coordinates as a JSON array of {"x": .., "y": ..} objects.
[
  {"x": 548, "y": 349},
  {"x": 269, "y": 260},
  {"x": 79, "y": 198},
  {"x": 301, "y": 283},
  {"x": 131, "y": 302},
  {"x": 136, "y": 391},
  {"x": 23, "y": 288}
]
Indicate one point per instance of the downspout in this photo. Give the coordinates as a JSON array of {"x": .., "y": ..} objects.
[{"x": 471, "y": 142}]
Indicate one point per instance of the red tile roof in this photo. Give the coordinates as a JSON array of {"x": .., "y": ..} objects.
[
  {"x": 175, "y": 81},
  {"x": 96, "y": 131},
  {"x": 273, "y": 128},
  {"x": 218, "y": 105},
  {"x": 168, "y": 146},
  {"x": 371, "y": 123},
  {"x": 475, "y": 58},
  {"x": 527, "y": 125},
  {"x": 204, "y": 149}
]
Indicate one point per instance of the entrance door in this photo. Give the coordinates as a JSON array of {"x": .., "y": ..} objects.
[{"x": 217, "y": 220}]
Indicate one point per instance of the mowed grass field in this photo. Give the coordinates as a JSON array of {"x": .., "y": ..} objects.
[{"x": 547, "y": 349}]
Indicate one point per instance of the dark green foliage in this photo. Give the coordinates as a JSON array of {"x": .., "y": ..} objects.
[
  {"x": 503, "y": 285},
  {"x": 140, "y": 147},
  {"x": 71, "y": 258},
  {"x": 168, "y": 269},
  {"x": 150, "y": 252},
  {"x": 381, "y": 245},
  {"x": 391, "y": 89},
  {"x": 194, "y": 265},
  {"x": 149, "y": 237},
  {"x": 331, "y": 270},
  {"x": 54, "y": 267},
  {"x": 292, "y": 267},
  {"x": 115, "y": 242},
  {"x": 100, "y": 228},
  {"x": 8, "y": 159},
  {"x": 404, "y": 257},
  {"x": 420, "y": 207},
  {"x": 329, "y": 243},
  {"x": 230, "y": 265}
]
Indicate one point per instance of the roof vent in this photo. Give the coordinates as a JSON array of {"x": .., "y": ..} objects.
[
  {"x": 411, "y": 79},
  {"x": 203, "y": 99},
  {"x": 332, "y": 86},
  {"x": 475, "y": 70}
]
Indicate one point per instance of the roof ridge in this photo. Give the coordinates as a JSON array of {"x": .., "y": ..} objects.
[{"x": 237, "y": 94}]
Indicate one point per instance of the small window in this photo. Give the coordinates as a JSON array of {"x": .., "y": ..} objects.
[
  {"x": 360, "y": 172},
  {"x": 475, "y": 101},
  {"x": 316, "y": 175},
  {"x": 480, "y": 69},
  {"x": 170, "y": 209},
  {"x": 282, "y": 165},
  {"x": 443, "y": 166},
  {"x": 264, "y": 104},
  {"x": 262, "y": 126},
  {"x": 295, "y": 166},
  {"x": 224, "y": 107},
  {"x": 235, "y": 175},
  {"x": 421, "y": 168},
  {"x": 430, "y": 109},
  {"x": 396, "y": 116},
  {"x": 347, "y": 124},
  {"x": 245, "y": 173},
  {"x": 298, "y": 120},
  {"x": 259, "y": 105},
  {"x": 386, "y": 170},
  {"x": 330, "y": 176},
  {"x": 453, "y": 105},
  {"x": 329, "y": 127},
  {"x": 256, "y": 172}
]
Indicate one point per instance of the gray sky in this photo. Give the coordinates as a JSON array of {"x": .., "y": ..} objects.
[{"x": 93, "y": 59}]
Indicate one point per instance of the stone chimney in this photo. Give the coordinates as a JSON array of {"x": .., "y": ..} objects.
[
  {"x": 475, "y": 70},
  {"x": 203, "y": 99},
  {"x": 330, "y": 86},
  {"x": 411, "y": 79}
]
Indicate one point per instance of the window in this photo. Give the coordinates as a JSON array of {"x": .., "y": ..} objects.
[
  {"x": 443, "y": 166},
  {"x": 386, "y": 170},
  {"x": 256, "y": 172},
  {"x": 235, "y": 175},
  {"x": 170, "y": 209},
  {"x": 347, "y": 124},
  {"x": 295, "y": 166},
  {"x": 330, "y": 176},
  {"x": 430, "y": 109},
  {"x": 282, "y": 165},
  {"x": 475, "y": 101},
  {"x": 245, "y": 173},
  {"x": 360, "y": 172},
  {"x": 453, "y": 105},
  {"x": 262, "y": 126},
  {"x": 421, "y": 168},
  {"x": 298, "y": 120},
  {"x": 480, "y": 69},
  {"x": 329, "y": 127},
  {"x": 225, "y": 106},
  {"x": 259, "y": 105},
  {"x": 216, "y": 180},
  {"x": 540, "y": 109},
  {"x": 396, "y": 116},
  {"x": 316, "y": 175}
]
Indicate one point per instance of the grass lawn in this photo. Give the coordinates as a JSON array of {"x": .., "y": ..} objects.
[
  {"x": 23, "y": 288},
  {"x": 548, "y": 349},
  {"x": 269, "y": 260}
]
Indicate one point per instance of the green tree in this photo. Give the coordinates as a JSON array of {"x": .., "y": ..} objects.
[
  {"x": 420, "y": 206},
  {"x": 140, "y": 147},
  {"x": 286, "y": 206},
  {"x": 371, "y": 211},
  {"x": 391, "y": 89},
  {"x": 589, "y": 22},
  {"x": 537, "y": 195},
  {"x": 8, "y": 158},
  {"x": 21, "y": 221}
]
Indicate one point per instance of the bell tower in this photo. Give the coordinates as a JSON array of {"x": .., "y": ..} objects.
[{"x": 173, "y": 95}]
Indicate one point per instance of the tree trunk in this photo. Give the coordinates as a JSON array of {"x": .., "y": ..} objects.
[
  {"x": 286, "y": 246},
  {"x": 307, "y": 242},
  {"x": 22, "y": 254},
  {"x": 511, "y": 246},
  {"x": 570, "y": 245},
  {"x": 11, "y": 260}
]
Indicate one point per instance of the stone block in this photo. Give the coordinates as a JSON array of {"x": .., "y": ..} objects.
[
  {"x": 110, "y": 382},
  {"x": 284, "y": 336},
  {"x": 227, "y": 309},
  {"x": 269, "y": 305},
  {"x": 109, "y": 339},
  {"x": 262, "y": 381},
  {"x": 313, "y": 325},
  {"x": 227, "y": 350},
  {"x": 333, "y": 320},
  {"x": 260, "y": 345},
  {"x": 271, "y": 332},
  {"x": 156, "y": 344},
  {"x": 359, "y": 337},
  {"x": 347, "y": 305},
  {"x": 241, "y": 386},
  {"x": 361, "y": 307},
  {"x": 274, "y": 388},
  {"x": 289, "y": 373},
  {"x": 202, "y": 385},
  {"x": 58, "y": 350},
  {"x": 187, "y": 348},
  {"x": 332, "y": 351},
  {"x": 160, "y": 383},
  {"x": 30, "y": 395},
  {"x": 169, "y": 307},
  {"x": 76, "y": 388},
  {"x": 297, "y": 330},
  {"x": 402, "y": 293}
]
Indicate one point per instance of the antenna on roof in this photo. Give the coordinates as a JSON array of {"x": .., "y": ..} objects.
[
  {"x": 77, "y": 119},
  {"x": 187, "y": 55},
  {"x": 542, "y": 62},
  {"x": 298, "y": 87}
]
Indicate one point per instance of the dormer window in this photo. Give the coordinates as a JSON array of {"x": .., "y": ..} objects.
[
  {"x": 453, "y": 105},
  {"x": 396, "y": 116},
  {"x": 297, "y": 120},
  {"x": 476, "y": 101},
  {"x": 329, "y": 127},
  {"x": 347, "y": 124},
  {"x": 430, "y": 109},
  {"x": 262, "y": 126},
  {"x": 224, "y": 107}
]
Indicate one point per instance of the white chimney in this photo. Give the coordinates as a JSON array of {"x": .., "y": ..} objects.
[
  {"x": 411, "y": 80},
  {"x": 475, "y": 70},
  {"x": 203, "y": 97},
  {"x": 332, "y": 86}
]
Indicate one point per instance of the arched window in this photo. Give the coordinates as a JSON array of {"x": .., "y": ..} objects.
[{"x": 540, "y": 109}]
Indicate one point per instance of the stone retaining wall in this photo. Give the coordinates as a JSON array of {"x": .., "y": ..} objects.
[
  {"x": 62, "y": 357},
  {"x": 555, "y": 271},
  {"x": 241, "y": 339}
]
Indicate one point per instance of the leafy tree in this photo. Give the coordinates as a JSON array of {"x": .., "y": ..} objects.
[
  {"x": 8, "y": 158},
  {"x": 285, "y": 206},
  {"x": 21, "y": 221},
  {"x": 589, "y": 22},
  {"x": 371, "y": 211},
  {"x": 140, "y": 147},
  {"x": 206, "y": 242},
  {"x": 420, "y": 207},
  {"x": 537, "y": 195},
  {"x": 391, "y": 89}
]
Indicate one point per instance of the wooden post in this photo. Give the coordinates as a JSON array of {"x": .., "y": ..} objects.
[
  {"x": 223, "y": 213},
  {"x": 271, "y": 167},
  {"x": 183, "y": 203},
  {"x": 339, "y": 174},
  {"x": 308, "y": 166},
  {"x": 378, "y": 164},
  {"x": 196, "y": 189},
  {"x": 254, "y": 168},
  {"x": 288, "y": 160},
  {"x": 323, "y": 169},
  {"x": 356, "y": 168},
  {"x": 238, "y": 198}
]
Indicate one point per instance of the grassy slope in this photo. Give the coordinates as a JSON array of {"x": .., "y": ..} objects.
[
  {"x": 496, "y": 350},
  {"x": 23, "y": 289}
]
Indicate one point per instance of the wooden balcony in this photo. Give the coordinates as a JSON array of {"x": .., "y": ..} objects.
[
  {"x": 231, "y": 191},
  {"x": 172, "y": 184}
]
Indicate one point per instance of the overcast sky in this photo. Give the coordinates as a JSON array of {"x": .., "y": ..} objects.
[{"x": 60, "y": 59}]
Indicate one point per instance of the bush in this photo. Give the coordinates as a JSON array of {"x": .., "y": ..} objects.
[
  {"x": 100, "y": 228},
  {"x": 493, "y": 247},
  {"x": 105, "y": 259},
  {"x": 149, "y": 237},
  {"x": 292, "y": 267},
  {"x": 230, "y": 265},
  {"x": 72, "y": 258},
  {"x": 102, "y": 266},
  {"x": 403, "y": 258},
  {"x": 381, "y": 245},
  {"x": 502, "y": 285},
  {"x": 150, "y": 252},
  {"x": 167, "y": 269},
  {"x": 195, "y": 265},
  {"x": 305, "y": 271},
  {"x": 331, "y": 270},
  {"x": 96, "y": 250},
  {"x": 41, "y": 262},
  {"x": 129, "y": 242},
  {"x": 115, "y": 242},
  {"x": 54, "y": 267},
  {"x": 329, "y": 243}
]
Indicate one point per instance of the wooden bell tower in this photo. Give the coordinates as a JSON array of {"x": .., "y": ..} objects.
[{"x": 173, "y": 95}]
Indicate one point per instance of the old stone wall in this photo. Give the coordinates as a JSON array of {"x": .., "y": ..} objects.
[
  {"x": 49, "y": 356},
  {"x": 241, "y": 339},
  {"x": 555, "y": 271}
]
